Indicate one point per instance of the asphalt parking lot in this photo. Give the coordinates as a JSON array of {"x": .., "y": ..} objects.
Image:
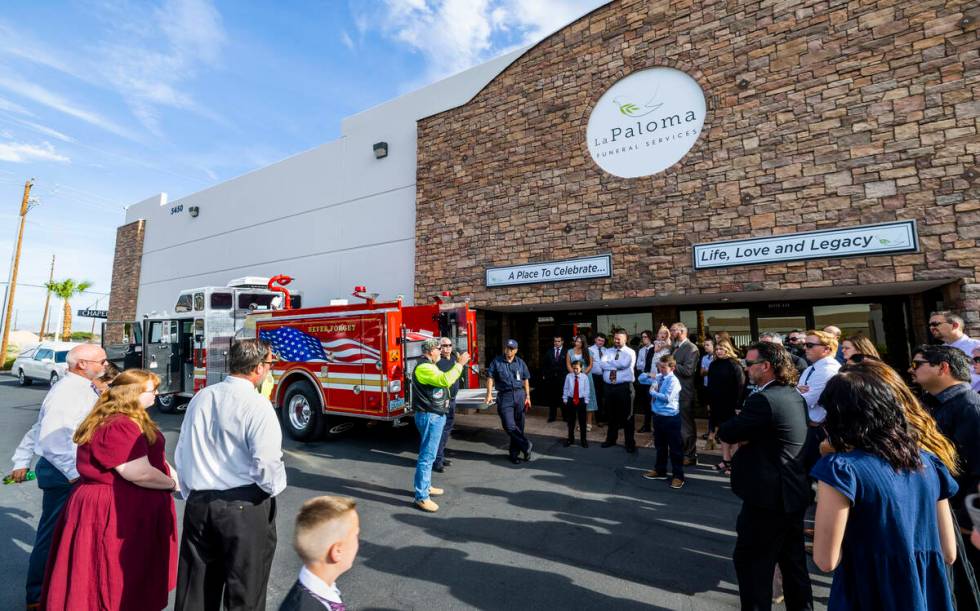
[{"x": 573, "y": 529}]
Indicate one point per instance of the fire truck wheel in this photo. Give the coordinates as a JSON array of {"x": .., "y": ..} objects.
[{"x": 301, "y": 415}]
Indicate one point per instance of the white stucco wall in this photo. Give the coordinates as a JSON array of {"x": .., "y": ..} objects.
[{"x": 332, "y": 217}]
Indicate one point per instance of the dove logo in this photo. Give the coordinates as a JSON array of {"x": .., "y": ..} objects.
[{"x": 646, "y": 122}]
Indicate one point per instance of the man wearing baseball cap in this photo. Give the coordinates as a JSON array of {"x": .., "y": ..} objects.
[{"x": 509, "y": 374}]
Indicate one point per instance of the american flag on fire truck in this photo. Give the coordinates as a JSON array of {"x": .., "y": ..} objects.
[{"x": 290, "y": 344}]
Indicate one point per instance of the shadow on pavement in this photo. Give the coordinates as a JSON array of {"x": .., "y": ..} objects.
[
  {"x": 489, "y": 586},
  {"x": 360, "y": 490}
]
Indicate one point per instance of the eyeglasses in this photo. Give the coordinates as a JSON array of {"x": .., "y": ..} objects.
[
  {"x": 916, "y": 363},
  {"x": 269, "y": 363},
  {"x": 976, "y": 359},
  {"x": 936, "y": 324},
  {"x": 808, "y": 345},
  {"x": 102, "y": 362},
  {"x": 749, "y": 363},
  {"x": 446, "y": 346}
]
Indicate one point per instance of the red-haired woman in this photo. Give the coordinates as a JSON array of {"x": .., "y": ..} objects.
[{"x": 115, "y": 545}]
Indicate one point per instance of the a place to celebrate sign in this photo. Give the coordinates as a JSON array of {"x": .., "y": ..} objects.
[
  {"x": 551, "y": 271},
  {"x": 854, "y": 241}
]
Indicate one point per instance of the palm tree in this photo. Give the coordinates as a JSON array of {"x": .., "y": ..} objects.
[{"x": 66, "y": 289}]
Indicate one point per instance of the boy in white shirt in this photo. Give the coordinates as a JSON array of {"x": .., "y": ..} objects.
[
  {"x": 575, "y": 399},
  {"x": 327, "y": 528}
]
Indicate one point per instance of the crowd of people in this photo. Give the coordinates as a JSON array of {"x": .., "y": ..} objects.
[
  {"x": 108, "y": 537},
  {"x": 893, "y": 471},
  {"x": 820, "y": 423}
]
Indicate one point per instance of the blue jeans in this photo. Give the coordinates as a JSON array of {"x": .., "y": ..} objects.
[
  {"x": 56, "y": 490},
  {"x": 430, "y": 426},
  {"x": 667, "y": 438}
]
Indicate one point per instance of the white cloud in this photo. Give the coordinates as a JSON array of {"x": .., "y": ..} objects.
[
  {"x": 43, "y": 96},
  {"x": 454, "y": 35},
  {"x": 150, "y": 66},
  {"x": 146, "y": 60},
  {"x": 21, "y": 152},
  {"x": 346, "y": 40},
  {"x": 9, "y": 106},
  {"x": 41, "y": 129}
]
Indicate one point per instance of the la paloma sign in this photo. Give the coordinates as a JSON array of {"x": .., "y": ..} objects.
[{"x": 646, "y": 122}]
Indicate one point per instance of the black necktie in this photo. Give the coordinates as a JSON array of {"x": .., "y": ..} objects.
[
  {"x": 556, "y": 353},
  {"x": 808, "y": 374}
]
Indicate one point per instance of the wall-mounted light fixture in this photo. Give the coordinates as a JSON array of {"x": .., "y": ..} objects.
[
  {"x": 380, "y": 150},
  {"x": 743, "y": 83},
  {"x": 966, "y": 21},
  {"x": 194, "y": 211}
]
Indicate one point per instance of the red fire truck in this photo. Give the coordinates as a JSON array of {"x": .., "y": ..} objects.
[
  {"x": 355, "y": 360},
  {"x": 334, "y": 363}
]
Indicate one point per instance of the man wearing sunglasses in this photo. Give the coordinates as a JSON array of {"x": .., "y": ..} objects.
[
  {"x": 51, "y": 438},
  {"x": 943, "y": 372},
  {"x": 948, "y": 327},
  {"x": 975, "y": 385},
  {"x": 445, "y": 364},
  {"x": 820, "y": 349}
]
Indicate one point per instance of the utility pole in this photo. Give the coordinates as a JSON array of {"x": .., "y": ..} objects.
[
  {"x": 12, "y": 286},
  {"x": 47, "y": 302}
]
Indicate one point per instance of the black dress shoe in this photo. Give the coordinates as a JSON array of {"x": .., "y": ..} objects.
[
  {"x": 446, "y": 462},
  {"x": 438, "y": 469},
  {"x": 567, "y": 443},
  {"x": 608, "y": 444},
  {"x": 515, "y": 460},
  {"x": 551, "y": 419},
  {"x": 585, "y": 443},
  {"x": 631, "y": 450}
]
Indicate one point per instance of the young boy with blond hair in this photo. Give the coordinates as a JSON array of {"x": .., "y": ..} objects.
[{"x": 327, "y": 528}]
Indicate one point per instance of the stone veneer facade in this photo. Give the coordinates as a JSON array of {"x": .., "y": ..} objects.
[
  {"x": 855, "y": 113},
  {"x": 125, "y": 275}
]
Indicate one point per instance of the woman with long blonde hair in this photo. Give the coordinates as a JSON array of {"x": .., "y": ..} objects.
[{"x": 115, "y": 545}]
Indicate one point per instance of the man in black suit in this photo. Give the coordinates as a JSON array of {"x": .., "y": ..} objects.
[
  {"x": 768, "y": 475},
  {"x": 553, "y": 374}
]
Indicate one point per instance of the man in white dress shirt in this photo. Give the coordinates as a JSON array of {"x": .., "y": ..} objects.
[
  {"x": 948, "y": 327},
  {"x": 63, "y": 409},
  {"x": 229, "y": 463},
  {"x": 617, "y": 377},
  {"x": 821, "y": 350},
  {"x": 597, "y": 350}
]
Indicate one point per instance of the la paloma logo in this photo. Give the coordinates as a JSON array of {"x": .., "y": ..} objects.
[{"x": 635, "y": 131}]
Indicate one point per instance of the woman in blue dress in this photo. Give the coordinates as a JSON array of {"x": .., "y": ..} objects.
[{"x": 883, "y": 522}]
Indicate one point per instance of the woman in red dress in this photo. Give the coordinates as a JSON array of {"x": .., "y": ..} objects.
[{"x": 115, "y": 545}]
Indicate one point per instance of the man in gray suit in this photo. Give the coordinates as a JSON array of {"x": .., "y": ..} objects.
[{"x": 687, "y": 356}]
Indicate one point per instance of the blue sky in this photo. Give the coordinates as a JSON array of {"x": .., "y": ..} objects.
[{"x": 107, "y": 102}]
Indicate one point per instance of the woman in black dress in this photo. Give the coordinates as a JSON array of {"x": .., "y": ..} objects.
[{"x": 726, "y": 380}]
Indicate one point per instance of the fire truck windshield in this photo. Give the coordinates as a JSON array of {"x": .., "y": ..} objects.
[{"x": 254, "y": 301}]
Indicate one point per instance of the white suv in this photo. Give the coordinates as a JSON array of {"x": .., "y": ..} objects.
[{"x": 47, "y": 362}]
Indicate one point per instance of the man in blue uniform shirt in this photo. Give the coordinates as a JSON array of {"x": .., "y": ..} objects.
[{"x": 510, "y": 375}]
